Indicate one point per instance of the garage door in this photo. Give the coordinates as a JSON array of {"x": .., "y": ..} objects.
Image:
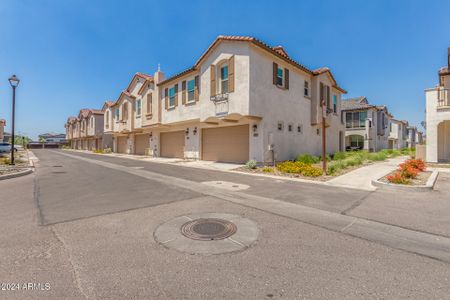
[
  {"x": 122, "y": 144},
  {"x": 172, "y": 144},
  {"x": 226, "y": 144},
  {"x": 141, "y": 143}
]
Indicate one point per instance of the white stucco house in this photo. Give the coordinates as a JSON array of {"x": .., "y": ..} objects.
[
  {"x": 366, "y": 125},
  {"x": 241, "y": 100},
  {"x": 397, "y": 134},
  {"x": 438, "y": 117}
]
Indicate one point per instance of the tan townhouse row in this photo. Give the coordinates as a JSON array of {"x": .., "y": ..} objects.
[{"x": 241, "y": 100}]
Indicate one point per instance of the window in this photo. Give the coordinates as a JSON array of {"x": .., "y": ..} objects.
[
  {"x": 357, "y": 141},
  {"x": 149, "y": 103},
  {"x": 306, "y": 88},
  {"x": 117, "y": 113},
  {"x": 138, "y": 107},
  {"x": 107, "y": 118},
  {"x": 172, "y": 97},
  {"x": 125, "y": 111},
  {"x": 356, "y": 119},
  {"x": 92, "y": 122},
  {"x": 390, "y": 127},
  {"x": 191, "y": 89},
  {"x": 223, "y": 79},
  {"x": 280, "y": 126},
  {"x": 280, "y": 77},
  {"x": 334, "y": 103}
]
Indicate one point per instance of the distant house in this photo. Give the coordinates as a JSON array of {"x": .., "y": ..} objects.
[
  {"x": 2, "y": 130},
  {"x": 397, "y": 133},
  {"x": 366, "y": 125},
  {"x": 53, "y": 138}
]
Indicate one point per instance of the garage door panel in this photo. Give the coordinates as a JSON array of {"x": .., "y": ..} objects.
[
  {"x": 122, "y": 144},
  {"x": 141, "y": 143},
  {"x": 172, "y": 144},
  {"x": 226, "y": 144}
]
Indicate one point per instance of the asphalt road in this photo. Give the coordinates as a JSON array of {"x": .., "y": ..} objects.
[{"x": 87, "y": 229}]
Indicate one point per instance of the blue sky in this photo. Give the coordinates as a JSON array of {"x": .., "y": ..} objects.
[{"x": 73, "y": 54}]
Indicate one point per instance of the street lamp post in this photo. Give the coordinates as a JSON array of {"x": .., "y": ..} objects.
[{"x": 14, "y": 81}]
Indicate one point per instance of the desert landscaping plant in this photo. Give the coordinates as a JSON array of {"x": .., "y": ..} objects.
[
  {"x": 407, "y": 171},
  {"x": 307, "y": 159},
  {"x": 251, "y": 164}
]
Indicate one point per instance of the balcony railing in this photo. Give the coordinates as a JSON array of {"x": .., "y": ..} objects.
[
  {"x": 443, "y": 98},
  {"x": 221, "y": 103}
]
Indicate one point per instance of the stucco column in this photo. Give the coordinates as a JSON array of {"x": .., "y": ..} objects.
[
  {"x": 114, "y": 144},
  {"x": 432, "y": 142},
  {"x": 131, "y": 144}
]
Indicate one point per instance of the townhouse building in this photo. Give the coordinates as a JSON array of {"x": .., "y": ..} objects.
[
  {"x": 411, "y": 140},
  {"x": 241, "y": 100},
  {"x": 85, "y": 132},
  {"x": 366, "y": 125},
  {"x": 2, "y": 129},
  {"x": 438, "y": 117},
  {"x": 397, "y": 134}
]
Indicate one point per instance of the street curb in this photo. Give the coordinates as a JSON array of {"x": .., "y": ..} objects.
[
  {"x": 429, "y": 186},
  {"x": 17, "y": 174}
]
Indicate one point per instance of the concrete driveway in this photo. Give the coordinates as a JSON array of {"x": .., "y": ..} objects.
[{"x": 96, "y": 241}]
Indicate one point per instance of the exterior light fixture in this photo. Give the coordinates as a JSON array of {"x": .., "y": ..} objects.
[{"x": 195, "y": 131}]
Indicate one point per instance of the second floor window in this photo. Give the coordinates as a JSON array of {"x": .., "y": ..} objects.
[
  {"x": 280, "y": 77},
  {"x": 334, "y": 103},
  {"x": 149, "y": 104},
  {"x": 306, "y": 89},
  {"x": 224, "y": 79},
  {"x": 356, "y": 119},
  {"x": 138, "y": 107},
  {"x": 92, "y": 122},
  {"x": 117, "y": 114},
  {"x": 191, "y": 90},
  {"x": 107, "y": 118},
  {"x": 172, "y": 97}
]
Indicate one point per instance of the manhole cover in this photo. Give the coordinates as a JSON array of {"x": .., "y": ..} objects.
[{"x": 208, "y": 229}]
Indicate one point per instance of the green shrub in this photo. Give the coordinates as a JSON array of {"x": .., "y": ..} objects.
[
  {"x": 251, "y": 164},
  {"x": 327, "y": 157},
  {"x": 340, "y": 155},
  {"x": 376, "y": 156},
  {"x": 268, "y": 170},
  {"x": 307, "y": 159},
  {"x": 335, "y": 166}
]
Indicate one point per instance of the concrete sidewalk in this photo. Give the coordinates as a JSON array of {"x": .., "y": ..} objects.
[{"x": 361, "y": 178}]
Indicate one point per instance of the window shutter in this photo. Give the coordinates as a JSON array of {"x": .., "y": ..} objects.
[
  {"x": 321, "y": 93},
  {"x": 213, "y": 80},
  {"x": 275, "y": 69},
  {"x": 196, "y": 88},
  {"x": 183, "y": 92},
  {"x": 166, "y": 98},
  {"x": 176, "y": 94},
  {"x": 328, "y": 97},
  {"x": 286, "y": 79},
  {"x": 231, "y": 74}
]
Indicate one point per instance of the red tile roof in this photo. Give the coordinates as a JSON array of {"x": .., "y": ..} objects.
[{"x": 277, "y": 51}]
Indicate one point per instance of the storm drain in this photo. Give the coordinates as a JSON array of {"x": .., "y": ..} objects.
[{"x": 208, "y": 229}]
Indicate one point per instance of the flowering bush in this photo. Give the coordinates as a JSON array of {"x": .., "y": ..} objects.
[
  {"x": 417, "y": 164},
  {"x": 299, "y": 168},
  {"x": 408, "y": 171},
  {"x": 398, "y": 178}
]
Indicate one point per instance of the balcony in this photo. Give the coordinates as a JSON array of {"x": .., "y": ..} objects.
[
  {"x": 221, "y": 104},
  {"x": 443, "y": 98}
]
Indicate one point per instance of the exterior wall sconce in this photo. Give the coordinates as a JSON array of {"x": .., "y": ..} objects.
[
  {"x": 151, "y": 134},
  {"x": 255, "y": 127},
  {"x": 195, "y": 131},
  {"x": 187, "y": 131}
]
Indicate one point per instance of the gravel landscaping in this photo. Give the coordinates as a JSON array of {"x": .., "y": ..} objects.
[{"x": 20, "y": 159}]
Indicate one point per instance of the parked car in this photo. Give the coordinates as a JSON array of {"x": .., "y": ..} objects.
[{"x": 6, "y": 147}]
